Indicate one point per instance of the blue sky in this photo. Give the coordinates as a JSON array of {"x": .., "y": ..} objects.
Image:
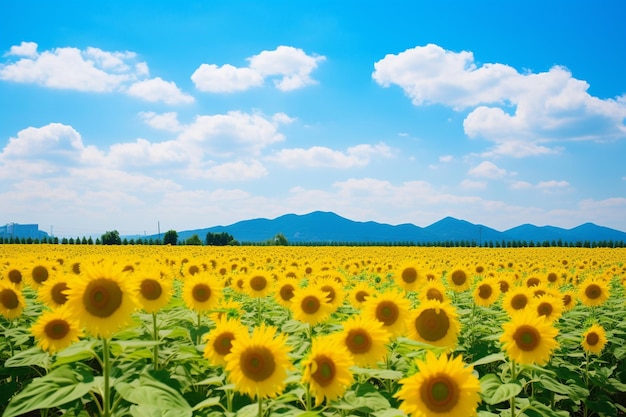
[{"x": 125, "y": 115}]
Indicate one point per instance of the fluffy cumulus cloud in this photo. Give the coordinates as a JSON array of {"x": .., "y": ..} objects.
[
  {"x": 91, "y": 69},
  {"x": 321, "y": 156},
  {"x": 521, "y": 113},
  {"x": 289, "y": 68},
  {"x": 487, "y": 169}
]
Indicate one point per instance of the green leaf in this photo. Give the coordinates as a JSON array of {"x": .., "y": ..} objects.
[
  {"x": 151, "y": 394},
  {"x": 369, "y": 402},
  {"x": 493, "y": 391},
  {"x": 377, "y": 373},
  {"x": 545, "y": 411},
  {"x": 77, "y": 352},
  {"x": 29, "y": 357},
  {"x": 209, "y": 402},
  {"x": 494, "y": 357},
  {"x": 60, "y": 386}
]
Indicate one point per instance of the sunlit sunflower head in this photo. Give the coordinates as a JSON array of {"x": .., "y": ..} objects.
[
  {"x": 258, "y": 284},
  {"x": 517, "y": 299},
  {"x": 533, "y": 281},
  {"x": 335, "y": 294},
  {"x": 38, "y": 273},
  {"x": 284, "y": 290},
  {"x": 391, "y": 308},
  {"x": 310, "y": 305},
  {"x": 594, "y": 339},
  {"x": 56, "y": 329},
  {"x": 327, "y": 369},
  {"x": 12, "y": 301},
  {"x": 408, "y": 276},
  {"x": 360, "y": 293},
  {"x": 154, "y": 289},
  {"x": 53, "y": 292},
  {"x": 103, "y": 299},
  {"x": 14, "y": 275},
  {"x": 505, "y": 282},
  {"x": 486, "y": 292},
  {"x": 443, "y": 386},
  {"x": 220, "y": 339},
  {"x": 568, "y": 300},
  {"x": 432, "y": 290},
  {"x": 529, "y": 339},
  {"x": 202, "y": 292},
  {"x": 554, "y": 277},
  {"x": 593, "y": 292},
  {"x": 434, "y": 323},
  {"x": 365, "y": 339},
  {"x": 258, "y": 363},
  {"x": 548, "y": 307},
  {"x": 459, "y": 279}
]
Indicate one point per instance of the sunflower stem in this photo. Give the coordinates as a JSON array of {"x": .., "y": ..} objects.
[
  {"x": 106, "y": 373},
  {"x": 513, "y": 377},
  {"x": 260, "y": 414},
  {"x": 155, "y": 337},
  {"x": 258, "y": 311},
  {"x": 199, "y": 326}
]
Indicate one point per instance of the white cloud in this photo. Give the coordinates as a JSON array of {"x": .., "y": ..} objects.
[
  {"x": 446, "y": 158},
  {"x": 158, "y": 90},
  {"x": 473, "y": 185},
  {"x": 521, "y": 113},
  {"x": 27, "y": 49},
  {"x": 552, "y": 184},
  {"x": 236, "y": 171},
  {"x": 321, "y": 156},
  {"x": 164, "y": 121},
  {"x": 520, "y": 185},
  {"x": 487, "y": 169},
  {"x": 290, "y": 69}
]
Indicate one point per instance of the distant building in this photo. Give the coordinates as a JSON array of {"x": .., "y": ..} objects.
[{"x": 15, "y": 230}]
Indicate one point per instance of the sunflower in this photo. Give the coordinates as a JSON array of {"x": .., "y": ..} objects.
[
  {"x": 14, "y": 275},
  {"x": 202, "y": 292},
  {"x": 39, "y": 273},
  {"x": 432, "y": 290},
  {"x": 594, "y": 339},
  {"x": 258, "y": 364},
  {"x": 219, "y": 340},
  {"x": 517, "y": 299},
  {"x": 568, "y": 300},
  {"x": 53, "y": 291},
  {"x": 333, "y": 289},
  {"x": 310, "y": 305},
  {"x": 366, "y": 340},
  {"x": 408, "y": 277},
  {"x": 258, "y": 285},
  {"x": 56, "y": 329},
  {"x": 459, "y": 280},
  {"x": 12, "y": 301},
  {"x": 486, "y": 292},
  {"x": 391, "y": 309},
  {"x": 153, "y": 290},
  {"x": 442, "y": 387},
  {"x": 529, "y": 339},
  {"x": 102, "y": 298},
  {"x": 284, "y": 290},
  {"x": 327, "y": 369},
  {"x": 360, "y": 293},
  {"x": 548, "y": 307},
  {"x": 593, "y": 292},
  {"x": 434, "y": 323}
]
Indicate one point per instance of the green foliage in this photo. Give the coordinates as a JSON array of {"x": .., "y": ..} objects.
[
  {"x": 111, "y": 238},
  {"x": 170, "y": 238}
]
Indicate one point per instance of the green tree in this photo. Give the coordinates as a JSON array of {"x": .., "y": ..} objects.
[
  {"x": 193, "y": 240},
  {"x": 170, "y": 238},
  {"x": 280, "y": 240},
  {"x": 111, "y": 238},
  {"x": 220, "y": 239}
]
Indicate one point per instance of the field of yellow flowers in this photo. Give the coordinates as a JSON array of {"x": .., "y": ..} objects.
[{"x": 177, "y": 331}]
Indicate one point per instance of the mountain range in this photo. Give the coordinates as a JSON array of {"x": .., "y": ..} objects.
[{"x": 328, "y": 227}]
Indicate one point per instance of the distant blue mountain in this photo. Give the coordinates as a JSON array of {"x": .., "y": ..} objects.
[{"x": 328, "y": 227}]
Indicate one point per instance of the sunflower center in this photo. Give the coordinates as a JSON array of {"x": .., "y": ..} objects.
[
  {"x": 593, "y": 339},
  {"x": 552, "y": 277},
  {"x": 527, "y": 338},
  {"x": 504, "y": 286},
  {"x": 102, "y": 297},
  {"x": 258, "y": 283},
  {"x": 201, "y": 292},
  {"x": 57, "y": 293},
  {"x": 533, "y": 282},
  {"x": 286, "y": 292},
  {"x": 519, "y": 301},
  {"x": 257, "y": 363},
  {"x": 593, "y": 291},
  {"x": 9, "y": 299},
  {"x": 330, "y": 291},
  {"x": 325, "y": 372},
  {"x": 193, "y": 269},
  {"x": 223, "y": 343},
  {"x": 567, "y": 299},
  {"x": 360, "y": 296},
  {"x": 15, "y": 276},
  {"x": 358, "y": 341},
  {"x": 440, "y": 394},
  {"x": 409, "y": 275},
  {"x": 387, "y": 312},
  {"x": 434, "y": 294},
  {"x": 310, "y": 304},
  {"x": 432, "y": 326},
  {"x": 485, "y": 291},
  {"x": 76, "y": 268},
  {"x": 151, "y": 289},
  {"x": 57, "y": 329},
  {"x": 545, "y": 309},
  {"x": 459, "y": 277},
  {"x": 40, "y": 274}
]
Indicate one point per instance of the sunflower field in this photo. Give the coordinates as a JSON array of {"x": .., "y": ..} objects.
[{"x": 152, "y": 331}]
